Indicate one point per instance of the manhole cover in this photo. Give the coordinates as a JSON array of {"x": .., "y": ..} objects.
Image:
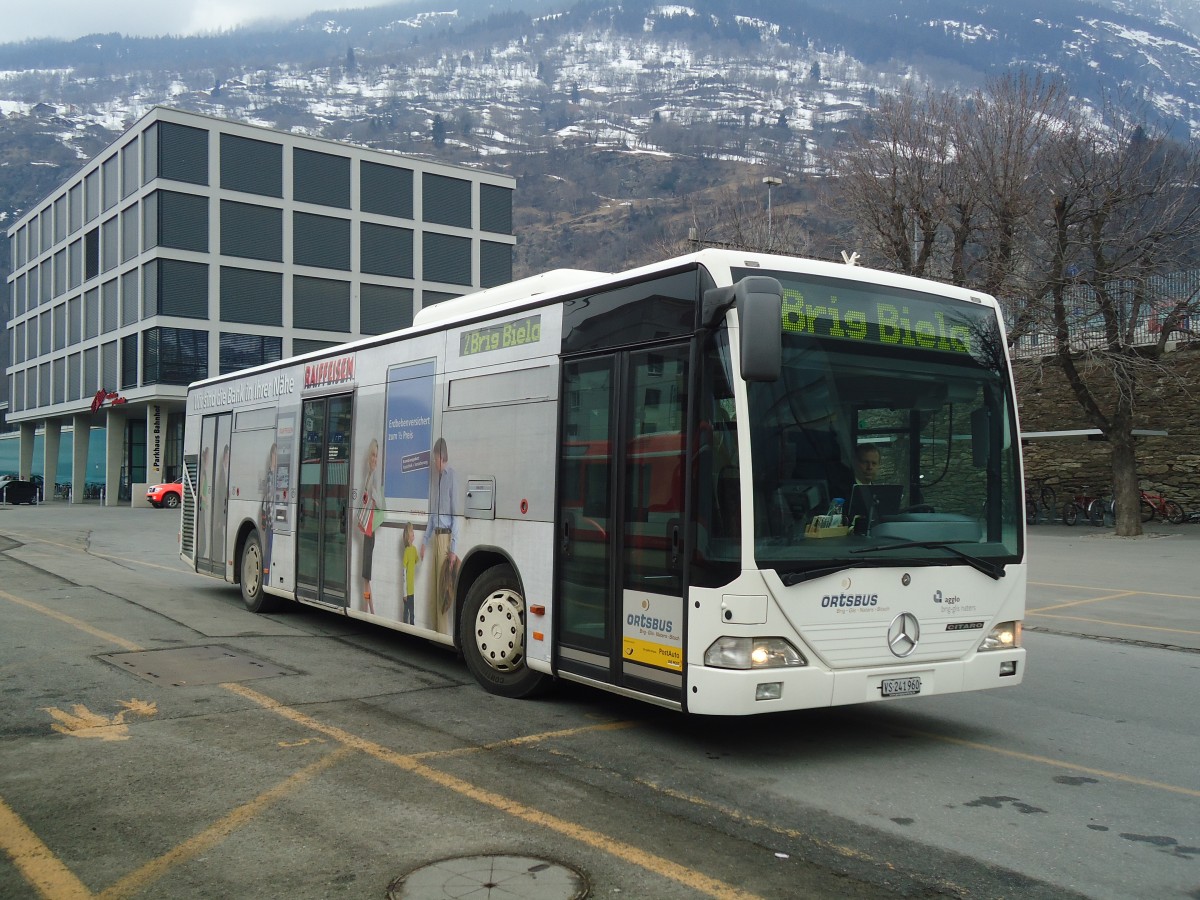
[
  {"x": 490, "y": 878},
  {"x": 178, "y": 666}
]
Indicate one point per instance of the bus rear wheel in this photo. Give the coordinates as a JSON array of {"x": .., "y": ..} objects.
[
  {"x": 491, "y": 633},
  {"x": 251, "y": 578}
]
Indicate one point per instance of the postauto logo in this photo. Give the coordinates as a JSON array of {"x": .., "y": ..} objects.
[{"x": 843, "y": 600}]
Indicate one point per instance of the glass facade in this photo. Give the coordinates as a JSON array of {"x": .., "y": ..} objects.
[{"x": 192, "y": 246}]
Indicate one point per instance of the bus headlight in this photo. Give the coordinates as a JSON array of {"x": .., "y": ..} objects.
[
  {"x": 1004, "y": 636},
  {"x": 752, "y": 653}
]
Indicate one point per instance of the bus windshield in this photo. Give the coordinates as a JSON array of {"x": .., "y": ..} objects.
[{"x": 889, "y": 436}]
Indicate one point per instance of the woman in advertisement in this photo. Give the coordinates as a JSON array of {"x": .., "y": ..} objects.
[{"x": 368, "y": 504}]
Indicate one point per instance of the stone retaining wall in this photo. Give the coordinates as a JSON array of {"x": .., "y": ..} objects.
[{"x": 1168, "y": 464}]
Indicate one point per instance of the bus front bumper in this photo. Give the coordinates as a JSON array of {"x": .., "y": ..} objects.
[{"x": 731, "y": 692}]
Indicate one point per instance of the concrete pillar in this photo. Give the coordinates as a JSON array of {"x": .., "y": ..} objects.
[
  {"x": 114, "y": 455},
  {"x": 82, "y": 424},
  {"x": 50, "y": 446},
  {"x": 25, "y": 452}
]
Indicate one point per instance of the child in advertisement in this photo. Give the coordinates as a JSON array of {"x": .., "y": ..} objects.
[{"x": 409, "y": 557}]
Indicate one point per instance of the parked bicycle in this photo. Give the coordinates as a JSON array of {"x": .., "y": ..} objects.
[
  {"x": 1039, "y": 497},
  {"x": 1156, "y": 504},
  {"x": 1091, "y": 507}
]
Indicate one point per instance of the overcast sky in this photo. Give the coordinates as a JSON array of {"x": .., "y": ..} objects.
[{"x": 70, "y": 19}]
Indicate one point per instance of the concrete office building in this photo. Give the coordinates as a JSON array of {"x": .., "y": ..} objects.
[{"x": 194, "y": 246}]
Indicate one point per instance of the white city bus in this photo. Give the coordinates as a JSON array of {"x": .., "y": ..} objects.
[{"x": 644, "y": 482}]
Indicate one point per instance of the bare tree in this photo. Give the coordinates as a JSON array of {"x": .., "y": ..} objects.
[
  {"x": 998, "y": 137},
  {"x": 890, "y": 176},
  {"x": 1121, "y": 214}
]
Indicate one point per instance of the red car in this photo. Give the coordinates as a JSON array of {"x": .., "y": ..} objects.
[{"x": 168, "y": 494}]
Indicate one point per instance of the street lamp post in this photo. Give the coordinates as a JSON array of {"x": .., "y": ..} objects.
[{"x": 770, "y": 181}]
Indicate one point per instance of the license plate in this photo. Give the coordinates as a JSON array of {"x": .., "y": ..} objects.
[{"x": 900, "y": 687}]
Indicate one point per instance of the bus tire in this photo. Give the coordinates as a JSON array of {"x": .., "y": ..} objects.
[
  {"x": 250, "y": 577},
  {"x": 491, "y": 633}
]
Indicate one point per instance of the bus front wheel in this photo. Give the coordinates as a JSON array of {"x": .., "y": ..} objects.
[
  {"x": 491, "y": 632},
  {"x": 251, "y": 577}
]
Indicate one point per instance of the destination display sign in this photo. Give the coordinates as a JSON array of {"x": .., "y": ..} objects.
[{"x": 516, "y": 333}]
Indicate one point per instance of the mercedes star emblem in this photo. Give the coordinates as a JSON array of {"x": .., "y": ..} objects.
[{"x": 903, "y": 634}]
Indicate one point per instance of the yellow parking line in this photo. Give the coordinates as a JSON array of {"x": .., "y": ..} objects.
[
  {"x": 137, "y": 880},
  {"x": 56, "y": 874},
  {"x": 1055, "y": 763},
  {"x": 135, "y": 562},
  {"x": 1117, "y": 624},
  {"x": 1085, "y": 600},
  {"x": 35, "y": 861},
  {"x": 71, "y": 620},
  {"x": 1092, "y": 587},
  {"x": 658, "y": 865}
]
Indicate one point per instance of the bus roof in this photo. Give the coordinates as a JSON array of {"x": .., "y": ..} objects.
[{"x": 495, "y": 298}]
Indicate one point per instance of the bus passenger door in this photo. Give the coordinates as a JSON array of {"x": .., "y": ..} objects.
[
  {"x": 212, "y": 494},
  {"x": 323, "y": 501},
  {"x": 620, "y": 530}
]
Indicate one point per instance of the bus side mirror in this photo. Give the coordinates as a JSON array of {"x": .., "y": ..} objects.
[{"x": 759, "y": 303}]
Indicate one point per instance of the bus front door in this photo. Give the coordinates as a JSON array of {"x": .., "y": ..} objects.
[
  {"x": 212, "y": 495},
  {"x": 323, "y": 503},
  {"x": 620, "y": 530}
]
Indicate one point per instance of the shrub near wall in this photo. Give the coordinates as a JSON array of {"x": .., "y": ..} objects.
[{"x": 1170, "y": 402}]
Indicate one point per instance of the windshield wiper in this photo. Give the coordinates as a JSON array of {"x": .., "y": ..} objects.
[
  {"x": 987, "y": 568},
  {"x": 809, "y": 574}
]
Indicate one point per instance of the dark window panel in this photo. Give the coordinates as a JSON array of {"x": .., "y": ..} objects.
[
  {"x": 495, "y": 209},
  {"x": 110, "y": 182},
  {"x": 108, "y": 365},
  {"x": 75, "y": 320},
  {"x": 129, "y": 297},
  {"x": 386, "y": 190},
  {"x": 60, "y": 326},
  {"x": 60, "y": 219},
  {"x": 383, "y": 308},
  {"x": 91, "y": 370},
  {"x": 181, "y": 289},
  {"x": 174, "y": 355},
  {"x": 129, "y": 233},
  {"x": 242, "y": 351},
  {"x": 446, "y": 201},
  {"x": 384, "y": 250},
  {"x": 322, "y": 304},
  {"x": 320, "y": 178},
  {"x": 182, "y": 221},
  {"x": 130, "y": 178},
  {"x": 110, "y": 307},
  {"x": 495, "y": 264},
  {"x": 250, "y": 166},
  {"x": 74, "y": 371},
  {"x": 150, "y": 154},
  {"x": 60, "y": 379},
  {"x": 446, "y": 258},
  {"x": 182, "y": 153},
  {"x": 251, "y": 231},
  {"x": 320, "y": 241},
  {"x": 251, "y": 297},
  {"x": 91, "y": 195},
  {"x": 91, "y": 254},
  {"x": 129, "y": 362},
  {"x": 91, "y": 313},
  {"x": 76, "y": 208}
]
